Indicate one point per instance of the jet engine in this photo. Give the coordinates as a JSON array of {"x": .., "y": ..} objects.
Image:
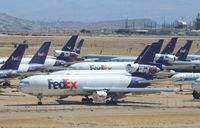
[
  {"x": 132, "y": 68},
  {"x": 141, "y": 68},
  {"x": 100, "y": 96},
  {"x": 64, "y": 53},
  {"x": 162, "y": 58}
]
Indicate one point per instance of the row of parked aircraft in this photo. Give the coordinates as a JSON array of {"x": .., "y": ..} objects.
[
  {"x": 100, "y": 81},
  {"x": 17, "y": 65}
]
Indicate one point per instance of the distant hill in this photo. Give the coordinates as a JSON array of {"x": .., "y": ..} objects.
[{"x": 13, "y": 24}]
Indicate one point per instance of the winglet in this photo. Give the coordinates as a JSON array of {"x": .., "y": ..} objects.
[
  {"x": 14, "y": 60},
  {"x": 41, "y": 54},
  {"x": 169, "y": 48}
]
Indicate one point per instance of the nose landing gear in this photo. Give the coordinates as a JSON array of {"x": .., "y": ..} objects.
[
  {"x": 195, "y": 95},
  {"x": 39, "y": 96},
  {"x": 87, "y": 100}
]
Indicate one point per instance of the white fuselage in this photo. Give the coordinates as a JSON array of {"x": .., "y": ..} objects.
[
  {"x": 186, "y": 76},
  {"x": 193, "y": 57},
  {"x": 99, "y": 66},
  {"x": 91, "y": 72},
  {"x": 65, "y": 85}
]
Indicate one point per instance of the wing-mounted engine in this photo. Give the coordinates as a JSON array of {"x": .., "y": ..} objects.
[
  {"x": 100, "y": 96},
  {"x": 141, "y": 68},
  {"x": 59, "y": 53},
  {"x": 165, "y": 58}
]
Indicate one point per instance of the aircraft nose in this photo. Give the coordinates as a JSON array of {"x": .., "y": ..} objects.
[
  {"x": 196, "y": 85},
  {"x": 158, "y": 69},
  {"x": 19, "y": 88},
  {"x": 23, "y": 86},
  {"x": 175, "y": 76}
]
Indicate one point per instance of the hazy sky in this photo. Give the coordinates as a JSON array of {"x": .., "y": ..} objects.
[{"x": 98, "y": 10}]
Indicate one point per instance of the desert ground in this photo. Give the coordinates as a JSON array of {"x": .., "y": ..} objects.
[{"x": 167, "y": 110}]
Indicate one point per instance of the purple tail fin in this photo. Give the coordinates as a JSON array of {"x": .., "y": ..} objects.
[
  {"x": 159, "y": 46},
  {"x": 14, "y": 60},
  {"x": 69, "y": 46},
  {"x": 79, "y": 46},
  {"x": 184, "y": 50},
  {"x": 141, "y": 54},
  {"x": 149, "y": 55},
  {"x": 170, "y": 46},
  {"x": 41, "y": 54}
]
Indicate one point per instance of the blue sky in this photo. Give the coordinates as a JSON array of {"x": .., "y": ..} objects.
[{"x": 98, "y": 10}]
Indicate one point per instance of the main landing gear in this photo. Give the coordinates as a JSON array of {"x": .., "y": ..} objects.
[
  {"x": 6, "y": 84},
  {"x": 195, "y": 95},
  {"x": 87, "y": 100},
  {"x": 112, "y": 101},
  {"x": 39, "y": 96}
]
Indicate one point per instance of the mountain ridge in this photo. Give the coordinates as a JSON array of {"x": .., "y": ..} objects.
[{"x": 13, "y": 24}]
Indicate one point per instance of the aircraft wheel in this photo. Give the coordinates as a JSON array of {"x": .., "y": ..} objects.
[
  {"x": 6, "y": 84},
  {"x": 83, "y": 100},
  {"x": 87, "y": 100},
  {"x": 90, "y": 100},
  {"x": 195, "y": 94},
  {"x": 39, "y": 103},
  {"x": 40, "y": 96},
  {"x": 111, "y": 102}
]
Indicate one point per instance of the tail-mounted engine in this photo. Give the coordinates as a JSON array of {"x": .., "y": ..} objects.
[
  {"x": 141, "y": 68},
  {"x": 166, "y": 59},
  {"x": 59, "y": 53}
]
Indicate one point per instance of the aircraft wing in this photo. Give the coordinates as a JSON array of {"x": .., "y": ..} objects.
[
  {"x": 182, "y": 66},
  {"x": 129, "y": 90},
  {"x": 53, "y": 69},
  {"x": 26, "y": 74},
  {"x": 162, "y": 74},
  {"x": 154, "y": 81}
]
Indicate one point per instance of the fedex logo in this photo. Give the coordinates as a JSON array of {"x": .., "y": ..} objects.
[
  {"x": 69, "y": 47},
  {"x": 42, "y": 54},
  {"x": 17, "y": 58},
  {"x": 102, "y": 67},
  {"x": 63, "y": 84},
  {"x": 182, "y": 50}
]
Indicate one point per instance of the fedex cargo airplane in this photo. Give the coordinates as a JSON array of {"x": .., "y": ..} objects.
[
  {"x": 110, "y": 65},
  {"x": 102, "y": 88},
  {"x": 169, "y": 63}
]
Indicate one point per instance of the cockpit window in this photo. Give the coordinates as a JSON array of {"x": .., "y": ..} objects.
[{"x": 24, "y": 83}]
